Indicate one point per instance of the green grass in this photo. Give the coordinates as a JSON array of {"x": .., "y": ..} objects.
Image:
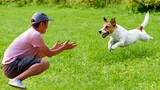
[{"x": 90, "y": 66}]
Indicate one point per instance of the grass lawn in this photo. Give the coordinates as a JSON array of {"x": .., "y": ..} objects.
[{"x": 90, "y": 66}]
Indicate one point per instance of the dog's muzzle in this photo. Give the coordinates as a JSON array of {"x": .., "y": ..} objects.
[
  {"x": 103, "y": 32},
  {"x": 100, "y": 31}
]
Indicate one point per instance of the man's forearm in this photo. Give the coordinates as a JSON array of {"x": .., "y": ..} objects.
[{"x": 57, "y": 51}]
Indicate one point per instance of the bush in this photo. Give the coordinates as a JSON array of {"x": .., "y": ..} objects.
[
  {"x": 69, "y": 3},
  {"x": 143, "y": 5}
]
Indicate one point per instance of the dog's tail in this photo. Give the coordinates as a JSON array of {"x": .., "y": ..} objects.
[{"x": 145, "y": 22}]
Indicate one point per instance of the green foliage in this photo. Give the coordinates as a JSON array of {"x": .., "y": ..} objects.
[
  {"x": 68, "y": 3},
  {"x": 143, "y": 5},
  {"x": 133, "y": 5},
  {"x": 95, "y": 3}
]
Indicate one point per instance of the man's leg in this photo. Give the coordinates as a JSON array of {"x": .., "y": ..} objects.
[{"x": 34, "y": 70}]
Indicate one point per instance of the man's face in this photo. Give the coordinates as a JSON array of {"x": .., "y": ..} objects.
[{"x": 43, "y": 27}]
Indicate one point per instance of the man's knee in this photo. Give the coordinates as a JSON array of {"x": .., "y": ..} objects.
[{"x": 45, "y": 64}]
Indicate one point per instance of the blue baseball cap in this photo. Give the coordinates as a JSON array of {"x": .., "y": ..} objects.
[{"x": 39, "y": 17}]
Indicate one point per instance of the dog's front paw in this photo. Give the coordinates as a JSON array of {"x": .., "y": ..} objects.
[
  {"x": 151, "y": 38},
  {"x": 109, "y": 48},
  {"x": 113, "y": 47}
]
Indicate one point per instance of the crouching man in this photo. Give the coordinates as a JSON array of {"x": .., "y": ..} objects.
[{"x": 23, "y": 58}]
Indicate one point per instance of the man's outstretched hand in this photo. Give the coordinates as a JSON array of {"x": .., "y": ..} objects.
[
  {"x": 69, "y": 46},
  {"x": 65, "y": 45}
]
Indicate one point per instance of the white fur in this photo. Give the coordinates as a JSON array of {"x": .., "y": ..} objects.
[
  {"x": 123, "y": 37},
  {"x": 145, "y": 22}
]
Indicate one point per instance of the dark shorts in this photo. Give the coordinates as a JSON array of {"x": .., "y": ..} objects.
[{"x": 19, "y": 65}]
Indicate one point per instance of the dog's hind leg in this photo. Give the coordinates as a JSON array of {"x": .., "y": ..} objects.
[{"x": 145, "y": 37}]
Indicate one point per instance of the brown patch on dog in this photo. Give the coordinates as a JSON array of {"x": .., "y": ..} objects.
[
  {"x": 140, "y": 28},
  {"x": 109, "y": 26},
  {"x": 113, "y": 22}
]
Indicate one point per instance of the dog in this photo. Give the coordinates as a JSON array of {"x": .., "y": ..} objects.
[{"x": 120, "y": 37}]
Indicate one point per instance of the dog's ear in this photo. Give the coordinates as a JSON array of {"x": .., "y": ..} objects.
[
  {"x": 105, "y": 19},
  {"x": 113, "y": 22}
]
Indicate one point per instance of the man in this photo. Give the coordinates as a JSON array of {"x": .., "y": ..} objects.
[{"x": 23, "y": 58}]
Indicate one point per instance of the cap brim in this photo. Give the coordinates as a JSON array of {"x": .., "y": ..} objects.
[{"x": 50, "y": 19}]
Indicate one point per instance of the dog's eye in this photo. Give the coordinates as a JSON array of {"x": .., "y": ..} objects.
[{"x": 107, "y": 26}]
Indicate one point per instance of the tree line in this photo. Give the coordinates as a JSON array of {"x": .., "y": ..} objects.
[{"x": 134, "y": 5}]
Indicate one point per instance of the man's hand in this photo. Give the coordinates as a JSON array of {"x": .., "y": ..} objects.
[
  {"x": 65, "y": 45},
  {"x": 69, "y": 46},
  {"x": 57, "y": 45}
]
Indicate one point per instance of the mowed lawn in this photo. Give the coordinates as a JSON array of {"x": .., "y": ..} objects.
[{"x": 90, "y": 66}]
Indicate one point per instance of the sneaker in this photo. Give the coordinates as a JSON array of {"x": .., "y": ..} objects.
[{"x": 16, "y": 83}]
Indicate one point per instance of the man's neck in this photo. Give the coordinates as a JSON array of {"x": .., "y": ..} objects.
[{"x": 37, "y": 29}]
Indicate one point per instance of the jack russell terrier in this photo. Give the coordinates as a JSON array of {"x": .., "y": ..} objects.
[{"x": 119, "y": 36}]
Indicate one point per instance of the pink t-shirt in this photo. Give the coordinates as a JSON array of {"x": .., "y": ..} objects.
[{"x": 25, "y": 45}]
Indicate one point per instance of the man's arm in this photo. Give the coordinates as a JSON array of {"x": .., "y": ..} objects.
[
  {"x": 45, "y": 51},
  {"x": 58, "y": 48}
]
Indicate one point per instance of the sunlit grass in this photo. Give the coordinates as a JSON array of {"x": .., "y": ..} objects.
[{"x": 90, "y": 66}]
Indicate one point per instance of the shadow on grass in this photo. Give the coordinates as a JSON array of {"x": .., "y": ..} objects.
[
  {"x": 137, "y": 51},
  {"x": 131, "y": 53}
]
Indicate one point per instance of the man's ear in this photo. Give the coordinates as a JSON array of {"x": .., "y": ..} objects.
[
  {"x": 113, "y": 22},
  {"x": 105, "y": 19},
  {"x": 42, "y": 23}
]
